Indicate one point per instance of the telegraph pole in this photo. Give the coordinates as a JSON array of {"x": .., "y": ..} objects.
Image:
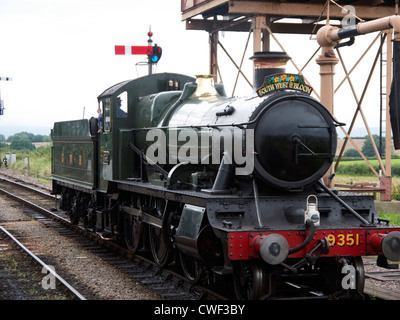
[{"x": 1, "y": 101}]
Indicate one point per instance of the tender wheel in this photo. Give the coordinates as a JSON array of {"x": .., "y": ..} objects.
[
  {"x": 89, "y": 219},
  {"x": 249, "y": 280},
  {"x": 76, "y": 211},
  {"x": 158, "y": 246},
  {"x": 191, "y": 267}
]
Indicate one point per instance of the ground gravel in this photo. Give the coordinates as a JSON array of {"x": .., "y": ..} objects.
[
  {"x": 390, "y": 286},
  {"x": 87, "y": 270}
]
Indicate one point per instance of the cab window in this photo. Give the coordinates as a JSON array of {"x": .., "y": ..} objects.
[
  {"x": 122, "y": 105},
  {"x": 107, "y": 114}
]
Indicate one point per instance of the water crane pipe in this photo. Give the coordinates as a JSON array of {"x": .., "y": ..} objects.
[{"x": 328, "y": 36}]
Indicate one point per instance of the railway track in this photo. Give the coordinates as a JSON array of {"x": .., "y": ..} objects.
[
  {"x": 382, "y": 284},
  {"x": 168, "y": 283},
  {"x": 27, "y": 270}
]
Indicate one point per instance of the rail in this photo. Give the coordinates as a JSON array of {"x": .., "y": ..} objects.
[
  {"x": 190, "y": 291},
  {"x": 37, "y": 260}
]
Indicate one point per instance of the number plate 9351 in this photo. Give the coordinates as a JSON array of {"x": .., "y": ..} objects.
[{"x": 342, "y": 239}]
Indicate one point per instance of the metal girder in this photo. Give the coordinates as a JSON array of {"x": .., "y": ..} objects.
[
  {"x": 244, "y": 26},
  {"x": 301, "y": 10},
  {"x": 203, "y": 8},
  {"x": 367, "y": 10}
]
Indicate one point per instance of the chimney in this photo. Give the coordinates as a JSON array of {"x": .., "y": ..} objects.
[{"x": 267, "y": 63}]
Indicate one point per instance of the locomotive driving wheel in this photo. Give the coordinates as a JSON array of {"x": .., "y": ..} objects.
[
  {"x": 158, "y": 246},
  {"x": 133, "y": 230},
  {"x": 192, "y": 268},
  {"x": 249, "y": 280},
  {"x": 132, "y": 233}
]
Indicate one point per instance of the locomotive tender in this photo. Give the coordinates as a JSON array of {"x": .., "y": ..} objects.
[{"x": 224, "y": 186}]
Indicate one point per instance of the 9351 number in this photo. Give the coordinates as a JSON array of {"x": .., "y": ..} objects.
[{"x": 341, "y": 239}]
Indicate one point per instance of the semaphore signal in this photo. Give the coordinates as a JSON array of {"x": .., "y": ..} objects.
[
  {"x": 153, "y": 52},
  {"x": 130, "y": 50}
]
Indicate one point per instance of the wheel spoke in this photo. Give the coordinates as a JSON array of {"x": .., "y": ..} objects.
[
  {"x": 159, "y": 248},
  {"x": 133, "y": 228},
  {"x": 191, "y": 267},
  {"x": 249, "y": 280},
  {"x": 132, "y": 233}
]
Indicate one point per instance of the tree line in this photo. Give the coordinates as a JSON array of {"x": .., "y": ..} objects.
[
  {"x": 23, "y": 140},
  {"x": 367, "y": 149}
]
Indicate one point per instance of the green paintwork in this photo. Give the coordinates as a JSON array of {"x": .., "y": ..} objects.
[
  {"x": 73, "y": 153},
  {"x": 115, "y": 160},
  {"x": 114, "y": 143}
]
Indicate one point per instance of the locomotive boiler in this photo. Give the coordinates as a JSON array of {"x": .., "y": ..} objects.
[{"x": 224, "y": 186}]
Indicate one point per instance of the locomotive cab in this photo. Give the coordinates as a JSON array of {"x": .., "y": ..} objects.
[
  {"x": 121, "y": 113},
  {"x": 116, "y": 105}
]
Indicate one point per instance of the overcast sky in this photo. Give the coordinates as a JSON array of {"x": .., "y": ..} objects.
[{"x": 60, "y": 54}]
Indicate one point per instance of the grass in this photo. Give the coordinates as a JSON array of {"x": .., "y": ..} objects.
[
  {"x": 351, "y": 179},
  {"x": 39, "y": 161},
  {"x": 360, "y": 168},
  {"x": 393, "y": 217}
]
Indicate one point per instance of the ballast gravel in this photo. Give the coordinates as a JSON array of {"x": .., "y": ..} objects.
[{"x": 88, "y": 272}]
